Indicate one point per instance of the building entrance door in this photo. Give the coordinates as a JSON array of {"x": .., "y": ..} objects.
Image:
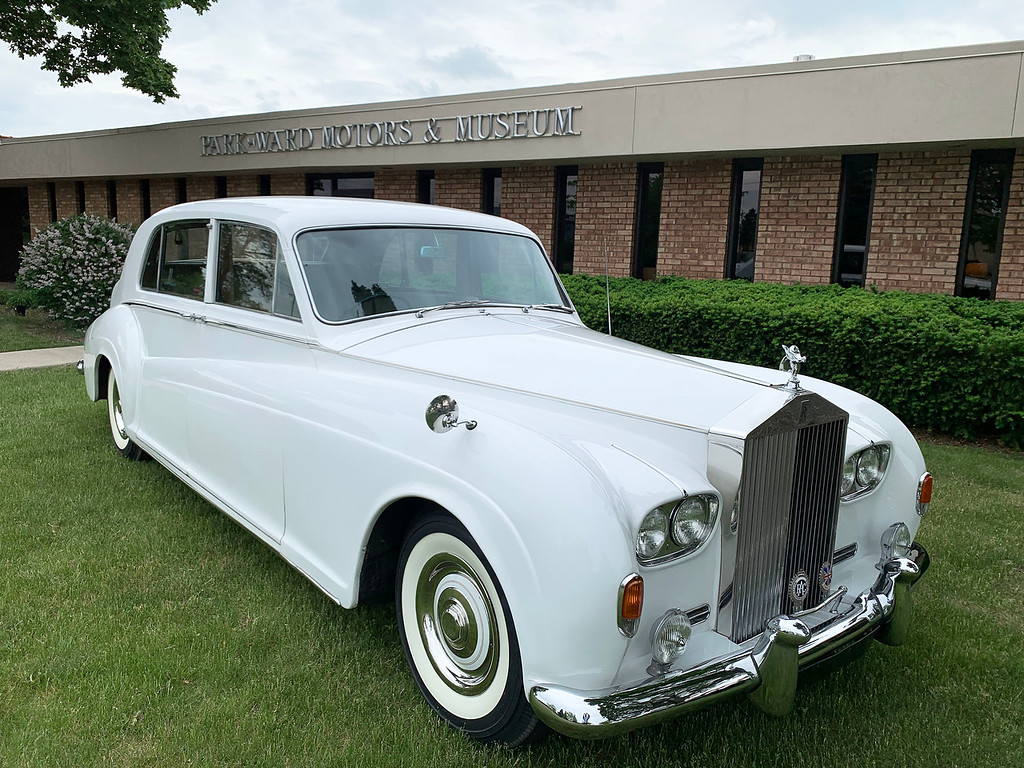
[{"x": 14, "y": 231}]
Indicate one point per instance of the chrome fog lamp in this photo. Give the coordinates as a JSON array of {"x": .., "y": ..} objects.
[
  {"x": 896, "y": 542},
  {"x": 668, "y": 640},
  {"x": 653, "y": 533}
]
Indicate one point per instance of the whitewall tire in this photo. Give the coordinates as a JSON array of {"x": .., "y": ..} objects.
[
  {"x": 458, "y": 635},
  {"x": 124, "y": 444}
]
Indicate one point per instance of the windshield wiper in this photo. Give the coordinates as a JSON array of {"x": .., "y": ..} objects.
[
  {"x": 454, "y": 305},
  {"x": 554, "y": 307}
]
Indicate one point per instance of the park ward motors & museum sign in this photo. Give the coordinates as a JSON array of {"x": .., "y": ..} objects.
[{"x": 488, "y": 126}]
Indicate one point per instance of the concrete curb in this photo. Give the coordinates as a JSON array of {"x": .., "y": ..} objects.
[{"x": 40, "y": 358}]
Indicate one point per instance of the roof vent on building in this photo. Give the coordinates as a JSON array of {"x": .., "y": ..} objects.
[{"x": 803, "y": 57}]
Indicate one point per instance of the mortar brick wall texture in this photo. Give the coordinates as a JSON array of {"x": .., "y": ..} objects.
[
  {"x": 163, "y": 193},
  {"x": 1010, "y": 279},
  {"x": 694, "y": 218},
  {"x": 129, "y": 201},
  {"x": 96, "y": 201},
  {"x": 605, "y": 211},
  {"x": 917, "y": 219},
  {"x": 458, "y": 188},
  {"x": 395, "y": 184},
  {"x": 243, "y": 186},
  {"x": 528, "y": 196},
  {"x": 797, "y": 219},
  {"x": 201, "y": 187},
  {"x": 288, "y": 184},
  {"x": 38, "y": 207},
  {"x": 67, "y": 199}
]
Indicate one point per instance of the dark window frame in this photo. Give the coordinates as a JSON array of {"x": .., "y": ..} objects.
[
  {"x": 490, "y": 191},
  {"x": 144, "y": 199},
  {"x": 51, "y": 194},
  {"x": 741, "y": 165},
  {"x": 562, "y": 218},
  {"x": 220, "y": 186},
  {"x": 312, "y": 178},
  {"x": 425, "y": 187},
  {"x": 112, "y": 199},
  {"x": 644, "y": 172},
  {"x": 80, "y": 195},
  {"x": 979, "y": 157},
  {"x": 853, "y": 164},
  {"x": 263, "y": 185},
  {"x": 181, "y": 189}
]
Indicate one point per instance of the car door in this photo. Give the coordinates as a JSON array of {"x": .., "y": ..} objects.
[
  {"x": 253, "y": 357},
  {"x": 173, "y": 288}
]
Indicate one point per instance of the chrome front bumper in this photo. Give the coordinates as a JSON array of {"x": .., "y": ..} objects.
[{"x": 768, "y": 671}]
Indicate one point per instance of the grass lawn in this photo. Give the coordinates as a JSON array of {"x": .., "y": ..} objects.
[
  {"x": 140, "y": 627},
  {"x": 33, "y": 331}
]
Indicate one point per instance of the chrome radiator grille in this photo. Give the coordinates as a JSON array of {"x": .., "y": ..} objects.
[{"x": 789, "y": 505}]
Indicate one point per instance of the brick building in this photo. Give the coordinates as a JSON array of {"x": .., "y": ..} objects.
[{"x": 898, "y": 171}]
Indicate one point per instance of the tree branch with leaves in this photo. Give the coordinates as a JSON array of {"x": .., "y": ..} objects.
[{"x": 80, "y": 38}]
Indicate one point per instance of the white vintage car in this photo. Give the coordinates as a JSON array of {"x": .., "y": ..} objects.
[{"x": 578, "y": 532}]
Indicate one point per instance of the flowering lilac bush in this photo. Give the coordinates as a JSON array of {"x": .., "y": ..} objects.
[{"x": 72, "y": 266}]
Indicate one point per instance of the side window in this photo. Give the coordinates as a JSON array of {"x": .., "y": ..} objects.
[
  {"x": 251, "y": 272},
  {"x": 176, "y": 262}
]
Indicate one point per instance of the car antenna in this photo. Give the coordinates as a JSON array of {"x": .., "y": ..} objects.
[{"x": 607, "y": 293}]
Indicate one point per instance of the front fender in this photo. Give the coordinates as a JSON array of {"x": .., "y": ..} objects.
[{"x": 116, "y": 337}]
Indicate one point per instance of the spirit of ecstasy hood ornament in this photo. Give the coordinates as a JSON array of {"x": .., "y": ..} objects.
[{"x": 794, "y": 360}]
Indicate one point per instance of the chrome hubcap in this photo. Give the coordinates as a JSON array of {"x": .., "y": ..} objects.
[{"x": 457, "y": 624}]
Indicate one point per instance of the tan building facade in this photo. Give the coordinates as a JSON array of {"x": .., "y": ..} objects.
[{"x": 900, "y": 171}]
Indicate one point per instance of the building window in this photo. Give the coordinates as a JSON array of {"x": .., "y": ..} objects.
[
  {"x": 147, "y": 208},
  {"x": 340, "y": 184},
  {"x": 112, "y": 199},
  {"x": 220, "y": 186},
  {"x": 181, "y": 189},
  {"x": 853, "y": 222},
  {"x": 566, "y": 184},
  {"x": 80, "y": 195},
  {"x": 982, "y": 239},
  {"x": 491, "y": 197},
  {"x": 425, "y": 187},
  {"x": 744, "y": 208},
  {"x": 51, "y": 195},
  {"x": 648, "y": 219},
  {"x": 263, "y": 183}
]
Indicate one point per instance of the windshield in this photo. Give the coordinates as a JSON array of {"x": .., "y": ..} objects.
[{"x": 354, "y": 273}]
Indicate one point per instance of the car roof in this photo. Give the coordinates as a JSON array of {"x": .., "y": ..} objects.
[{"x": 291, "y": 214}]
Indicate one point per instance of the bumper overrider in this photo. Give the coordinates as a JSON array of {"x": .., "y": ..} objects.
[{"x": 767, "y": 671}]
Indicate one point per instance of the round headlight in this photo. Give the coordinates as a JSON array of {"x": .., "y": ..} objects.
[
  {"x": 652, "y": 535},
  {"x": 693, "y": 520},
  {"x": 869, "y": 466},
  {"x": 849, "y": 476},
  {"x": 669, "y": 636}
]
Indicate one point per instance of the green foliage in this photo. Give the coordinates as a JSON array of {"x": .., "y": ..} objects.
[
  {"x": 72, "y": 265},
  {"x": 938, "y": 362},
  {"x": 20, "y": 299},
  {"x": 80, "y": 38}
]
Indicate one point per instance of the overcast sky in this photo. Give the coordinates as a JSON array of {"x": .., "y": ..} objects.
[{"x": 249, "y": 56}]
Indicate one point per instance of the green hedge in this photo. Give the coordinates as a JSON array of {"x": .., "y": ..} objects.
[{"x": 938, "y": 362}]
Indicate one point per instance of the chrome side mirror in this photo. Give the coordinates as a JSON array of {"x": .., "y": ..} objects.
[{"x": 443, "y": 415}]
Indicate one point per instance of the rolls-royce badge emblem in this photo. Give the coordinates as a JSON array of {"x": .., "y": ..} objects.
[
  {"x": 792, "y": 362},
  {"x": 825, "y": 577},
  {"x": 799, "y": 586}
]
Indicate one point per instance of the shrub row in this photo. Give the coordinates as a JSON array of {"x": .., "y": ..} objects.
[{"x": 938, "y": 362}]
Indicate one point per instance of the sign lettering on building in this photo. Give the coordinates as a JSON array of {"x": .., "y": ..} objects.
[{"x": 488, "y": 126}]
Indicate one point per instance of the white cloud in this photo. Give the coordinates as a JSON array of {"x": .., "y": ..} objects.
[{"x": 250, "y": 56}]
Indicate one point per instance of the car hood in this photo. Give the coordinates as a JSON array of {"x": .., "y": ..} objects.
[{"x": 557, "y": 359}]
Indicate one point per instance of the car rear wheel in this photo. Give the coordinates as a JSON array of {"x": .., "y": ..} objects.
[
  {"x": 458, "y": 636},
  {"x": 124, "y": 444}
]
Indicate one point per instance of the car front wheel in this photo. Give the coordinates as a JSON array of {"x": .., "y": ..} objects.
[
  {"x": 124, "y": 444},
  {"x": 458, "y": 636}
]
